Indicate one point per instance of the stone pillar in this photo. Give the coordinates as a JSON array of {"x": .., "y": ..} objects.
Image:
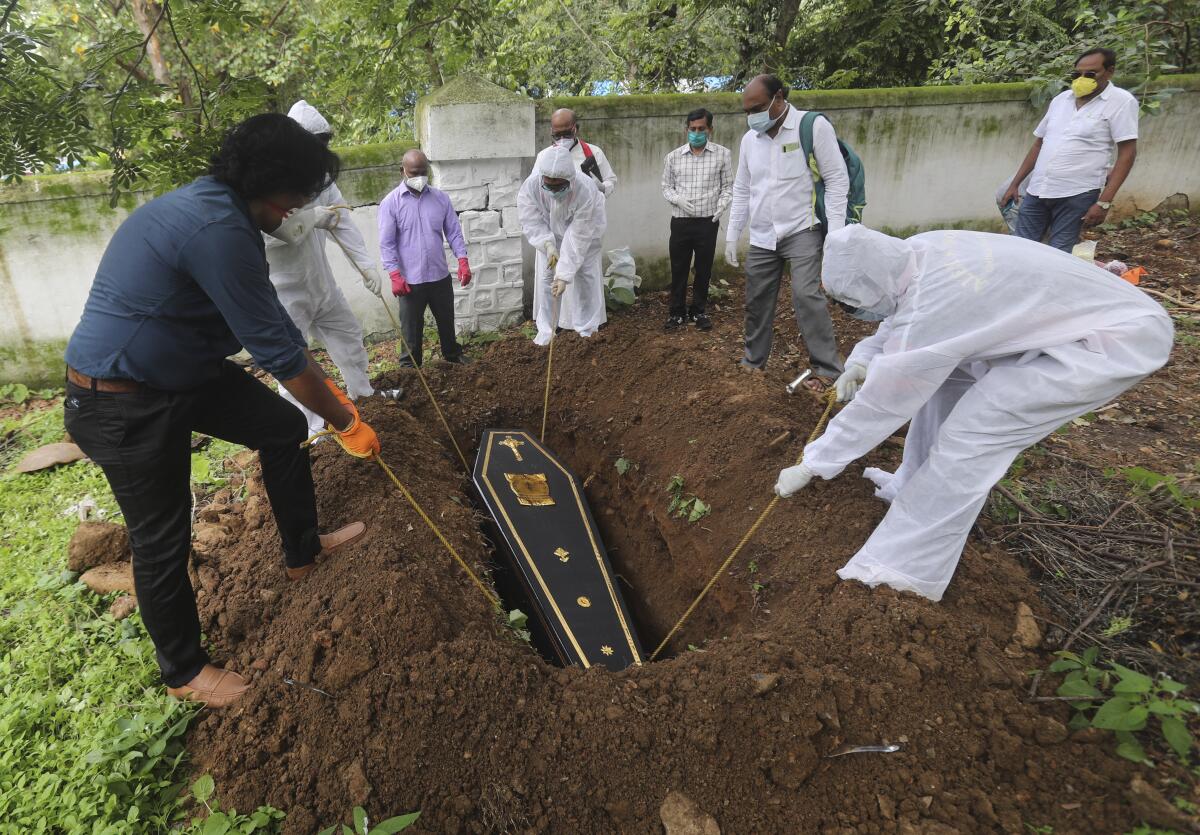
[{"x": 477, "y": 137}]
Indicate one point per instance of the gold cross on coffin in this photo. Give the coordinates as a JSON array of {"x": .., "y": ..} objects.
[{"x": 512, "y": 443}]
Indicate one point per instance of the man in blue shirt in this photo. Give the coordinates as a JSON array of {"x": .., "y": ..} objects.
[{"x": 182, "y": 285}]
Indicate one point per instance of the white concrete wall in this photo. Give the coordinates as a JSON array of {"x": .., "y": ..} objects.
[{"x": 933, "y": 157}]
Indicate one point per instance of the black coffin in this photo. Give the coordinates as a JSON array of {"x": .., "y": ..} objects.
[{"x": 546, "y": 531}]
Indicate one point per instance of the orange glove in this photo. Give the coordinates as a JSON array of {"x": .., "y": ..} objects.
[
  {"x": 358, "y": 439},
  {"x": 342, "y": 398}
]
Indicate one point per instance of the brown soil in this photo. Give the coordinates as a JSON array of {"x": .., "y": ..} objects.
[
  {"x": 429, "y": 703},
  {"x": 97, "y": 543}
]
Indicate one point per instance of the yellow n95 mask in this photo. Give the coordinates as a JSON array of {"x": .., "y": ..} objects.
[{"x": 1083, "y": 86}]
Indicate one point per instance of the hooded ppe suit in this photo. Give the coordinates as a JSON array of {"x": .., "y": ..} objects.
[
  {"x": 304, "y": 281},
  {"x": 990, "y": 343},
  {"x": 574, "y": 223}
]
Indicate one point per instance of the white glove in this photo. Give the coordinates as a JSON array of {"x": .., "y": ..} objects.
[
  {"x": 847, "y": 384},
  {"x": 373, "y": 281},
  {"x": 557, "y": 287},
  {"x": 792, "y": 479},
  {"x": 686, "y": 205},
  {"x": 550, "y": 250},
  {"x": 731, "y": 253},
  {"x": 327, "y": 218}
]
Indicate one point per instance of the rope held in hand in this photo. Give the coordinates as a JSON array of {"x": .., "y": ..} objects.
[{"x": 830, "y": 398}]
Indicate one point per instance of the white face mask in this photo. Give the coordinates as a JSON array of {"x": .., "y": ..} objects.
[
  {"x": 296, "y": 226},
  {"x": 417, "y": 184},
  {"x": 564, "y": 142}
]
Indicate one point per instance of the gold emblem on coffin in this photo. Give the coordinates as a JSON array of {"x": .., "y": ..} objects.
[
  {"x": 562, "y": 553},
  {"x": 531, "y": 489},
  {"x": 514, "y": 445}
]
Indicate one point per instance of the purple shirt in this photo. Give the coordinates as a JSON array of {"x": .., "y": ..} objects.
[{"x": 411, "y": 228}]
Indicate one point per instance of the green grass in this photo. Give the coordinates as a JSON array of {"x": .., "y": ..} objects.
[{"x": 91, "y": 741}]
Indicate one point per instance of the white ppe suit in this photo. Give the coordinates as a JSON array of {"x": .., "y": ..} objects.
[
  {"x": 991, "y": 342},
  {"x": 573, "y": 225},
  {"x": 304, "y": 281}
]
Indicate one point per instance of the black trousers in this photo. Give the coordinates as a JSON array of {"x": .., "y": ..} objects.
[
  {"x": 142, "y": 441},
  {"x": 438, "y": 296},
  {"x": 691, "y": 236}
]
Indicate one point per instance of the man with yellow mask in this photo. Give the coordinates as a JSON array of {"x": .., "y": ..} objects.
[{"x": 1074, "y": 177}]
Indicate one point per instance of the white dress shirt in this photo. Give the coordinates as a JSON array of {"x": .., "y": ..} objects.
[
  {"x": 774, "y": 185},
  {"x": 704, "y": 179},
  {"x": 1078, "y": 142},
  {"x": 609, "y": 180}
]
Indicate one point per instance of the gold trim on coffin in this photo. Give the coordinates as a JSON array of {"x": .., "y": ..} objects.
[
  {"x": 531, "y": 489},
  {"x": 487, "y": 456}
]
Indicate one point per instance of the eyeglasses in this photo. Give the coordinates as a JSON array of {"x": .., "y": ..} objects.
[
  {"x": 1085, "y": 74},
  {"x": 569, "y": 134},
  {"x": 556, "y": 189}
]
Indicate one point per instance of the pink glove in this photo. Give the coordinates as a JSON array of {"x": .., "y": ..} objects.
[
  {"x": 464, "y": 272},
  {"x": 399, "y": 285}
]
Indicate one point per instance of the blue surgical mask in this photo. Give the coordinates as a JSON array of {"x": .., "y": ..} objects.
[
  {"x": 697, "y": 138},
  {"x": 557, "y": 195},
  {"x": 762, "y": 122}
]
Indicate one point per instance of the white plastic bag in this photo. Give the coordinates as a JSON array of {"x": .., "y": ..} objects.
[{"x": 621, "y": 279}]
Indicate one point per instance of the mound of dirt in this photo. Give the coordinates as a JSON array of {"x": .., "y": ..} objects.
[{"x": 386, "y": 680}]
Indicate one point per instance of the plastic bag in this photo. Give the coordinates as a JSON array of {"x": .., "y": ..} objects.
[
  {"x": 621, "y": 279},
  {"x": 1010, "y": 210}
]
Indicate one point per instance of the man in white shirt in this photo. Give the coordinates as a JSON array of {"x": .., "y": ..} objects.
[
  {"x": 564, "y": 131},
  {"x": 697, "y": 181},
  {"x": 773, "y": 189},
  {"x": 1072, "y": 185}
]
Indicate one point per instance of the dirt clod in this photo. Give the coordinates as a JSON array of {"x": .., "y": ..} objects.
[
  {"x": 1028, "y": 634},
  {"x": 105, "y": 579},
  {"x": 683, "y": 816},
  {"x": 123, "y": 606},
  {"x": 97, "y": 543}
]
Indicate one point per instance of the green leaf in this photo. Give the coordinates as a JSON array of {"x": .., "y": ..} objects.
[
  {"x": 1132, "y": 751},
  {"x": 396, "y": 824},
  {"x": 330, "y": 831},
  {"x": 360, "y": 820},
  {"x": 1131, "y": 681},
  {"x": 517, "y": 619},
  {"x": 1176, "y": 733},
  {"x": 1063, "y": 664},
  {"x": 203, "y": 788},
  {"x": 1171, "y": 685},
  {"x": 699, "y": 510},
  {"x": 1078, "y": 687},
  {"x": 1089, "y": 655},
  {"x": 623, "y": 465},
  {"x": 1118, "y": 714},
  {"x": 216, "y": 824}
]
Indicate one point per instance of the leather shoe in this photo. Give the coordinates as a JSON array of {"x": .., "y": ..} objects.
[
  {"x": 215, "y": 686},
  {"x": 330, "y": 542}
]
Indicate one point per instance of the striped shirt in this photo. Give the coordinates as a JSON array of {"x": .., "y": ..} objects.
[{"x": 704, "y": 179}]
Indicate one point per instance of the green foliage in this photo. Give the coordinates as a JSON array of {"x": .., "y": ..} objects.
[
  {"x": 361, "y": 824},
  {"x": 517, "y": 621},
  {"x": 624, "y": 465},
  {"x": 217, "y": 822},
  {"x": 689, "y": 506},
  {"x": 1148, "y": 481},
  {"x": 92, "y": 743},
  {"x": 1122, "y": 700}
]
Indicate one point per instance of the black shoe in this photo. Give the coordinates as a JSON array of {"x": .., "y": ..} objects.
[
  {"x": 674, "y": 322},
  {"x": 702, "y": 321}
]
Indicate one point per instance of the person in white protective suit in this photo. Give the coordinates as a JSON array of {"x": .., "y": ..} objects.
[
  {"x": 304, "y": 279},
  {"x": 562, "y": 216},
  {"x": 988, "y": 343}
]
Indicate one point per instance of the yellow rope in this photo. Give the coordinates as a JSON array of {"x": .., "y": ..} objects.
[
  {"x": 428, "y": 390},
  {"x": 830, "y": 398},
  {"x": 546, "y": 397},
  {"x": 491, "y": 598}
]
